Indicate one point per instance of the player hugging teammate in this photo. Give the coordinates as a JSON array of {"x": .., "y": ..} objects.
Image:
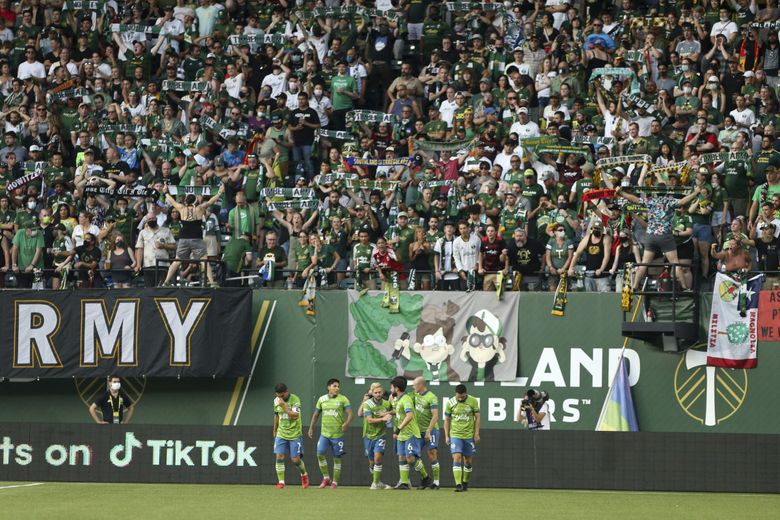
[{"x": 413, "y": 415}]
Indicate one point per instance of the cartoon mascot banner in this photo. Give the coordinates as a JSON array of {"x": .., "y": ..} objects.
[{"x": 438, "y": 335}]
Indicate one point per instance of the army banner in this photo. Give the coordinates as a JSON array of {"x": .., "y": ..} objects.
[
  {"x": 129, "y": 333},
  {"x": 440, "y": 336}
]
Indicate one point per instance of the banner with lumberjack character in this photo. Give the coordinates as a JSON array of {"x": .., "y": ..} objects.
[
  {"x": 733, "y": 333},
  {"x": 440, "y": 336}
]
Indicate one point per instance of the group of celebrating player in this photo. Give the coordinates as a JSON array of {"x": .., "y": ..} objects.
[{"x": 414, "y": 417}]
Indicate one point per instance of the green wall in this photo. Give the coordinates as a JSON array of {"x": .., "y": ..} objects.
[{"x": 572, "y": 358}]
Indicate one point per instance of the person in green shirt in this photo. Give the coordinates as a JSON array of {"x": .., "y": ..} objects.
[
  {"x": 344, "y": 89},
  {"x": 461, "y": 432},
  {"x": 237, "y": 254},
  {"x": 288, "y": 436},
  {"x": 336, "y": 415},
  {"x": 426, "y": 411},
  {"x": 361, "y": 259},
  {"x": 243, "y": 218},
  {"x": 408, "y": 437},
  {"x": 400, "y": 236},
  {"x": 27, "y": 253},
  {"x": 375, "y": 410}
]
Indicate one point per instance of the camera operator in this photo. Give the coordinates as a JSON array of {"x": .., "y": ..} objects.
[{"x": 534, "y": 411}]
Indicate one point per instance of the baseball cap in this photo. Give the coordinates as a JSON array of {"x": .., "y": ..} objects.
[
  {"x": 390, "y": 148},
  {"x": 749, "y": 74},
  {"x": 36, "y": 148},
  {"x": 403, "y": 214},
  {"x": 529, "y": 173},
  {"x": 546, "y": 175},
  {"x": 522, "y": 110}
]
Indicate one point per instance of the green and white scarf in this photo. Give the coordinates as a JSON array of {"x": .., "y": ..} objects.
[
  {"x": 294, "y": 204},
  {"x": 289, "y": 193}
]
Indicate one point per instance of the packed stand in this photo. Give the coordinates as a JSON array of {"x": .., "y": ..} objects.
[{"x": 456, "y": 145}]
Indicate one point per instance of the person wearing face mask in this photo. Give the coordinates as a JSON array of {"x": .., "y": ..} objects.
[
  {"x": 320, "y": 103},
  {"x": 724, "y": 26},
  {"x": 115, "y": 405},
  {"x": 154, "y": 243},
  {"x": 27, "y": 253},
  {"x": 88, "y": 262}
]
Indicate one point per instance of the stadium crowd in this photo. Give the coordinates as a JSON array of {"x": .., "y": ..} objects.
[{"x": 445, "y": 141}]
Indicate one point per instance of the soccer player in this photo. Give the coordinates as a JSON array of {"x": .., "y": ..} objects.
[
  {"x": 408, "y": 442},
  {"x": 375, "y": 410},
  {"x": 288, "y": 437},
  {"x": 336, "y": 416},
  {"x": 426, "y": 411},
  {"x": 461, "y": 432}
]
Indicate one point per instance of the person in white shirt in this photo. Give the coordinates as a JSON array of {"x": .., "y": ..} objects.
[
  {"x": 504, "y": 158},
  {"x": 743, "y": 116},
  {"x": 277, "y": 80},
  {"x": 84, "y": 226},
  {"x": 447, "y": 107},
  {"x": 524, "y": 128},
  {"x": 31, "y": 68},
  {"x": 447, "y": 277},
  {"x": 321, "y": 104},
  {"x": 234, "y": 80},
  {"x": 558, "y": 9},
  {"x": 725, "y": 27},
  {"x": 465, "y": 251},
  {"x": 171, "y": 30},
  {"x": 154, "y": 243}
]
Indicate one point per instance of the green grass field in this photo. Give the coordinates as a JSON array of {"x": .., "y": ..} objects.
[{"x": 173, "y": 501}]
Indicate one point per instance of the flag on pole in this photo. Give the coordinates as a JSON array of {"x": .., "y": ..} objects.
[
  {"x": 618, "y": 414},
  {"x": 733, "y": 332}
]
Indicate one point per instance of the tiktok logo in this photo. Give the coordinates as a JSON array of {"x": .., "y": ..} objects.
[{"x": 124, "y": 459}]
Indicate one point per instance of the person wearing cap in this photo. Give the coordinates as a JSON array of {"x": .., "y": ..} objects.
[
  {"x": 524, "y": 127},
  {"x": 466, "y": 62},
  {"x": 532, "y": 190},
  {"x": 767, "y": 246},
  {"x": 399, "y": 237}
]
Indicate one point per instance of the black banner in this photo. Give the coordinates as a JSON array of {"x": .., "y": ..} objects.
[{"x": 129, "y": 332}]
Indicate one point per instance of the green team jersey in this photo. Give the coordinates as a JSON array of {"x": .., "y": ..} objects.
[
  {"x": 347, "y": 84},
  {"x": 510, "y": 220},
  {"x": 424, "y": 405},
  {"x": 405, "y": 237},
  {"x": 362, "y": 255},
  {"x": 463, "y": 417},
  {"x": 253, "y": 183},
  {"x": 334, "y": 413},
  {"x": 289, "y": 429},
  {"x": 404, "y": 405},
  {"x": 371, "y": 408}
]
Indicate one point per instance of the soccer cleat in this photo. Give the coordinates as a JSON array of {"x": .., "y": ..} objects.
[
  {"x": 305, "y": 481},
  {"x": 325, "y": 483},
  {"x": 465, "y": 486},
  {"x": 375, "y": 486},
  {"x": 385, "y": 486},
  {"x": 333, "y": 485},
  {"x": 426, "y": 482},
  {"x": 402, "y": 487},
  {"x": 434, "y": 486},
  {"x": 458, "y": 488},
  {"x": 279, "y": 485}
]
